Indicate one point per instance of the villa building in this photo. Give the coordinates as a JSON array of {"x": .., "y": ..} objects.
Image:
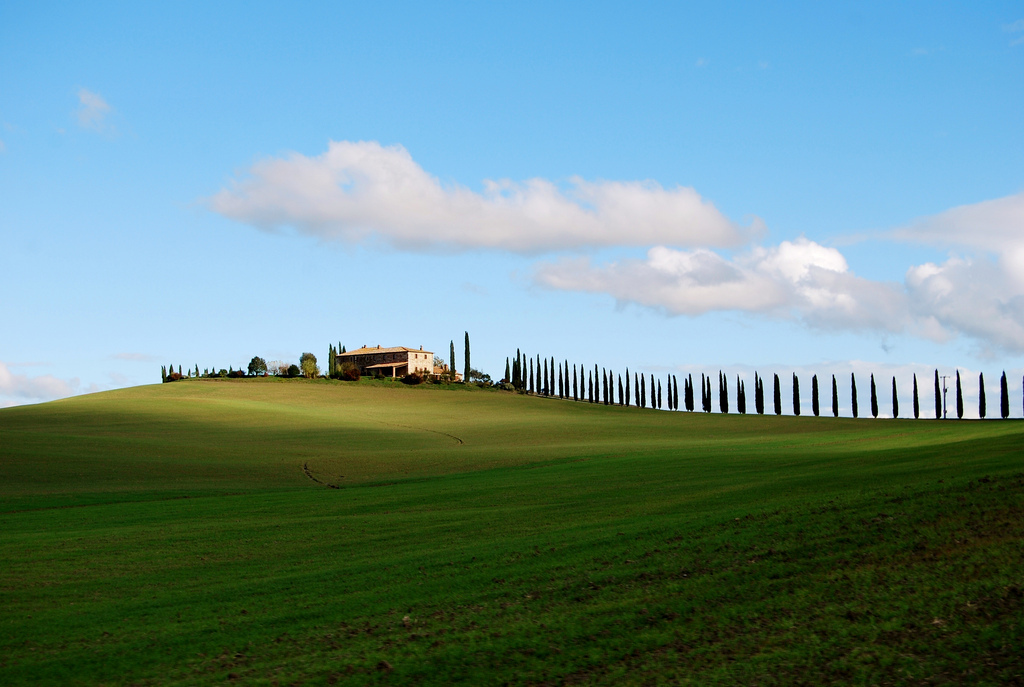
[{"x": 397, "y": 361}]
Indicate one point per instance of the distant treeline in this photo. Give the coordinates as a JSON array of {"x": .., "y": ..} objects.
[{"x": 545, "y": 377}]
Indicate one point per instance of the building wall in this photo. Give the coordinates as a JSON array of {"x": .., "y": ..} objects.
[{"x": 417, "y": 361}]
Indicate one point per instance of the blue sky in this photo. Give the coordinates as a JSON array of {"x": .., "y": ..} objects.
[{"x": 801, "y": 187}]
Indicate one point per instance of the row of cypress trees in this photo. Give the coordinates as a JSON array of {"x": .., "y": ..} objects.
[{"x": 545, "y": 377}]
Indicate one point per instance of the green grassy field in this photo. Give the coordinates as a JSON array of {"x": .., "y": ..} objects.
[{"x": 190, "y": 533}]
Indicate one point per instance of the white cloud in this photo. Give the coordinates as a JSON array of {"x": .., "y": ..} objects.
[
  {"x": 978, "y": 296},
  {"x": 16, "y": 388},
  {"x": 93, "y": 110},
  {"x": 800, "y": 279},
  {"x": 362, "y": 191}
]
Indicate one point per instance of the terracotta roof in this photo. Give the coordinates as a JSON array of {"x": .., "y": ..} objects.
[{"x": 394, "y": 349}]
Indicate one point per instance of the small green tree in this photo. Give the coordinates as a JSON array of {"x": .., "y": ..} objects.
[
  {"x": 257, "y": 366},
  {"x": 307, "y": 364}
]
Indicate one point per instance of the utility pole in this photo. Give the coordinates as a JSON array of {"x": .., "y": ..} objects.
[{"x": 944, "y": 390}]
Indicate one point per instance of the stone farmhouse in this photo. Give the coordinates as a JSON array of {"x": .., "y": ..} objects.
[{"x": 397, "y": 361}]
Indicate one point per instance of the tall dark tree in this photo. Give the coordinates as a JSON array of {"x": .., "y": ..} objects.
[
  {"x": 796, "y": 395},
  {"x": 575, "y": 394},
  {"x": 938, "y": 397},
  {"x": 917, "y": 404},
  {"x": 532, "y": 387},
  {"x": 163, "y": 373},
  {"x": 895, "y": 400},
  {"x": 741, "y": 396},
  {"x": 451, "y": 362},
  {"x": 814, "y": 395},
  {"x": 636, "y": 390},
  {"x": 835, "y": 397},
  {"x": 723, "y": 393},
  {"x": 590, "y": 386},
  {"x": 778, "y": 396},
  {"x": 551, "y": 368},
  {"x": 622, "y": 396},
  {"x": 654, "y": 398},
  {"x": 567, "y": 379},
  {"x": 874, "y": 398},
  {"x": 627, "y": 387},
  {"x": 659, "y": 393},
  {"x": 330, "y": 359},
  {"x": 703, "y": 395},
  {"x": 675, "y": 392},
  {"x": 981, "y": 396},
  {"x": 508, "y": 373},
  {"x": 758, "y": 394},
  {"x": 1004, "y": 397},
  {"x": 643, "y": 391},
  {"x": 959, "y": 398},
  {"x": 465, "y": 361},
  {"x": 604, "y": 385},
  {"x": 853, "y": 394},
  {"x": 689, "y": 393}
]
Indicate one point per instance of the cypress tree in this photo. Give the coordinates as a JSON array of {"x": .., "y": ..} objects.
[
  {"x": 575, "y": 394},
  {"x": 627, "y": 387},
  {"x": 938, "y": 397},
  {"x": 531, "y": 386},
  {"x": 465, "y": 361},
  {"x": 917, "y": 404},
  {"x": 778, "y": 396},
  {"x": 179, "y": 370},
  {"x": 724, "y": 400},
  {"x": 655, "y": 397},
  {"x": 689, "y": 393},
  {"x": 675, "y": 394},
  {"x": 814, "y": 395},
  {"x": 959, "y": 398},
  {"x": 636, "y": 390},
  {"x": 1004, "y": 397},
  {"x": 163, "y": 374},
  {"x": 643, "y": 391},
  {"x": 758, "y": 394},
  {"x": 451, "y": 362},
  {"x": 508, "y": 375},
  {"x": 874, "y": 398},
  {"x": 604, "y": 384},
  {"x": 741, "y": 396},
  {"x": 835, "y": 397},
  {"x": 796, "y": 395},
  {"x": 981, "y": 396},
  {"x": 551, "y": 371},
  {"x": 620, "y": 390},
  {"x": 853, "y": 394},
  {"x": 544, "y": 389},
  {"x": 895, "y": 400}
]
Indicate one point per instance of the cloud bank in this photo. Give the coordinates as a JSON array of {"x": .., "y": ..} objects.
[
  {"x": 796, "y": 279},
  {"x": 363, "y": 191}
]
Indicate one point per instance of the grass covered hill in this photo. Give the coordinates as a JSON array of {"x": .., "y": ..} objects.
[{"x": 291, "y": 532}]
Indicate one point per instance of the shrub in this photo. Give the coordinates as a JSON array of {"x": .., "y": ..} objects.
[
  {"x": 412, "y": 379},
  {"x": 349, "y": 372},
  {"x": 174, "y": 376},
  {"x": 294, "y": 371},
  {"x": 236, "y": 374}
]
